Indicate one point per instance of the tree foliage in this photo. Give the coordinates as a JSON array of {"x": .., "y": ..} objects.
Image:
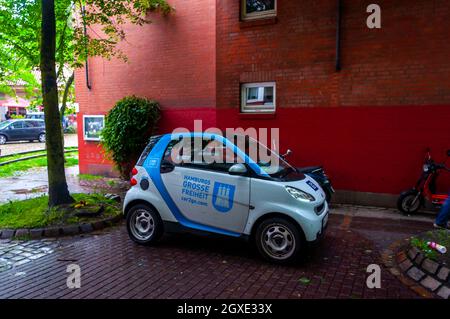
[
  {"x": 128, "y": 126},
  {"x": 104, "y": 20}
]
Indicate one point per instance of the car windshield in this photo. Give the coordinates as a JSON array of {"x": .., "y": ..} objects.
[
  {"x": 4, "y": 124},
  {"x": 269, "y": 161}
]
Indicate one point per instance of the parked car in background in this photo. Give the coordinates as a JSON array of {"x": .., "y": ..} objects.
[
  {"x": 22, "y": 130},
  {"x": 35, "y": 115}
]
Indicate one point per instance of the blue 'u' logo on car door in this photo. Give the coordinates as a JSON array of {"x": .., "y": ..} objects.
[{"x": 222, "y": 198}]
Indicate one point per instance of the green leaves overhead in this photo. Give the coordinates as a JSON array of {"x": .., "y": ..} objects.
[{"x": 20, "y": 22}]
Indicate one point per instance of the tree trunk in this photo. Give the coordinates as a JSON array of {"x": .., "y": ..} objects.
[
  {"x": 58, "y": 191},
  {"x": 64, "y": 102}
]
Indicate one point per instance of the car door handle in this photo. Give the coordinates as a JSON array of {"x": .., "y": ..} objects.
[
  {"x": 166, "y": 167},
  {"x": 251, "y": 207}
]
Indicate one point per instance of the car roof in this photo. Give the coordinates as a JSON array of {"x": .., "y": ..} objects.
[{"x": 27, "y": 120}]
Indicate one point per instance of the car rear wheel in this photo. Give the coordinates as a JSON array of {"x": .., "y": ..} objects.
[
  {"x": 42, "y": 137},
  {"x": 2, "y": 139},
  {"x": 144, "y": 225},
  {"x": 278, "y": 240}
]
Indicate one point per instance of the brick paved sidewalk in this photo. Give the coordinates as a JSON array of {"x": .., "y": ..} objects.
[{"x": 184, "y": 266}]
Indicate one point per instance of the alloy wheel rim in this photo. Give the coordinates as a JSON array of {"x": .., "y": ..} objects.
[
  {"x": 2, "y": 139},
  {"x": 41, "y": 138},
  {"x": 278, "y": 241},
  {"x": 142, "y": 224}
]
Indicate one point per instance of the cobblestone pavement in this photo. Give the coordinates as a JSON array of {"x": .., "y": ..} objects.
[
  {"x": 25, "y": 146},
  {"x": 186, "y": 266},
  {"x": 16, "y": 253}
]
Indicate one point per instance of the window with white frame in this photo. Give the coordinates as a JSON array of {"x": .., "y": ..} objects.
[
  {"x": 254, "y": 9},
  {"x": 258, "y": 97}
]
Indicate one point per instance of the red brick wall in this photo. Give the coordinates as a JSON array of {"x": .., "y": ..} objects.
[
  {"x": 368, "y": 124},
  {"x": 171, "y": 60},
  {"x": 406, "y": 62}
]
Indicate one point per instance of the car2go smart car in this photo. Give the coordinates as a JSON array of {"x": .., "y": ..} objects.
[{"x": 239, "y": 195}]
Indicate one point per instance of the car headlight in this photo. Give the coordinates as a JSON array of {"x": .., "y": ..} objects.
[
  {"x": 299, "y": 194},
  {"x": 425, "y": 168}
]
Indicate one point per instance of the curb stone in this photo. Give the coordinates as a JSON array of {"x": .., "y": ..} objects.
[
  {"x": 397, "y": 250},
  {"x": 444, "y": 292},
  {"x": 415, "y": 273},
  {"x": 430, "y": 283},
  {"x": 7, "y": 233},
  {"x": 424, "y": 276},
  {"x": 22, "y": 233},
  {"x": 430, "y": 266},
  {"x": 53, "y": 231},
  {"x": 36, "y": 233},
  {"x": 444, "y": 273}
]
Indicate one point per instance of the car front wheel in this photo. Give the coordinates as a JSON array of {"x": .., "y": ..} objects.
[
  {"x": 42, "y": 137},
  {"x": 278, "y": 240},
  {"x": 2, "y": 139},
  {"x": 144, "y": 225},
  {"x": 409, "y": 202}
]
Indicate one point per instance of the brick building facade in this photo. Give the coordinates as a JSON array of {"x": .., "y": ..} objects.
[{"x": 368, "y": 123}]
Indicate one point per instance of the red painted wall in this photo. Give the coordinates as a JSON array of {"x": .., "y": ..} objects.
[{"x": 367, "y": 149}]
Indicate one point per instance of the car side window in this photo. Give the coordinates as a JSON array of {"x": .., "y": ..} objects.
[
  {"x": 204, "y": 154},
  {"x": 30, "y": 124},
  {"x": 17, "y": 125}
]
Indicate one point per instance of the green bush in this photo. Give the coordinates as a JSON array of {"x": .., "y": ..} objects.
[{"x": 128, "y": 126}]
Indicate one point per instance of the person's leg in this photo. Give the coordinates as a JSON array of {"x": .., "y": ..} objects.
[{"x": 444, "y": 215}]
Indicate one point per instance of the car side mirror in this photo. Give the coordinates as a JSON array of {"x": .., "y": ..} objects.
[
  {"x": 238, "y": 169},
  {"x": 448, "y": 153}
]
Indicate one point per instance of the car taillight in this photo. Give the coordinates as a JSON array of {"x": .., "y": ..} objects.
[
  {"x": 133, "y": 181},
  {"x": 134, "y": 171}
]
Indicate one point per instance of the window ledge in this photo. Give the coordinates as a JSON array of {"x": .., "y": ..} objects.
[
  {"x": 257, "y": 116},
  {"x": 257, "y": 22}
]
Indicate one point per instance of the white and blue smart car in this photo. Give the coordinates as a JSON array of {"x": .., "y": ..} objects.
[{"x": 177, "y": 187}]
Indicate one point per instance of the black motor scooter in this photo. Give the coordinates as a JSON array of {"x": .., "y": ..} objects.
[{"x": 318, "y": 174}]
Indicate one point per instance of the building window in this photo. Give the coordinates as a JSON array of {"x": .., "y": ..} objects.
[
  {"x": 255, "y": 9},
  {"x": 258, "y": 97}
]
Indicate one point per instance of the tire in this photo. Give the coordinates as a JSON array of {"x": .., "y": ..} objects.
[
  {"x": 41, "y": 138},
  {"x": 407, "y": 199},
  {"x": 3, "y": 139},
  {"x": 327, "y": 192},
  {"x": 279, "y": 234},
  {"x": 150, "y": 227}
]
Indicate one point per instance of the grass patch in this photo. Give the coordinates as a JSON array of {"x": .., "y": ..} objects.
[
  {"x": 18, "y": 156},
  {"x": 442, "y": 237},
  {"x": 34, "y": 213},
  {"x": 20, "y": 167},
  {"x": 89, "y": 177}
]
